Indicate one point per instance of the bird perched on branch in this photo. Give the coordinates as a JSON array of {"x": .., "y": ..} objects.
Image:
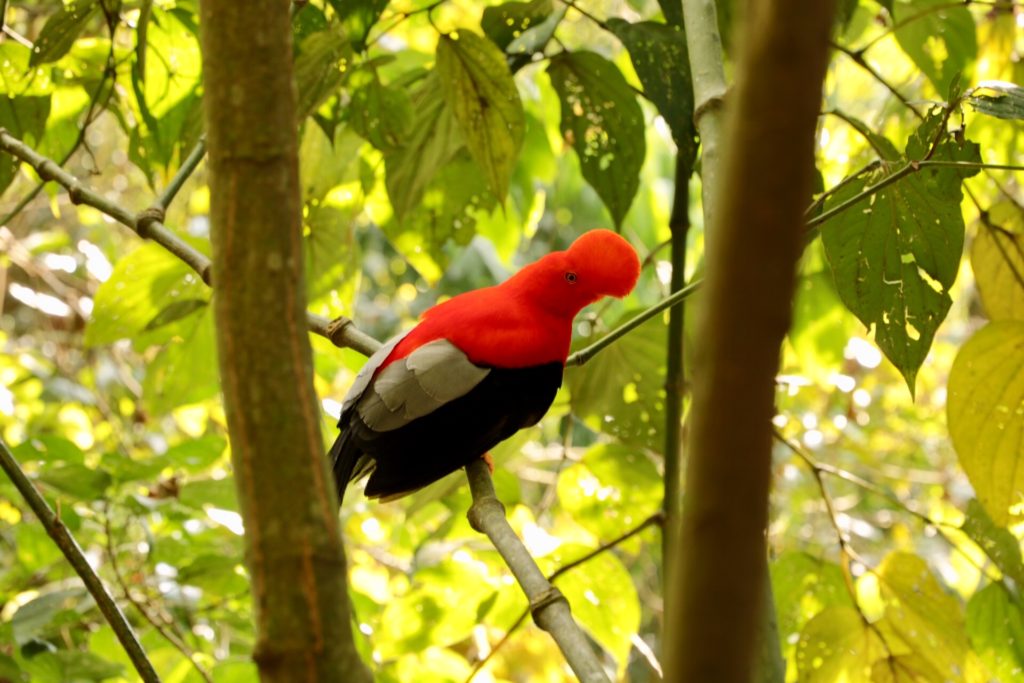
[{"x": 477, "y": 368}]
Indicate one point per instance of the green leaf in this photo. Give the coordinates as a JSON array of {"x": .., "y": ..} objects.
[
  {"x": 506, "y": 22},
  {"x": 673, "y": 12},
  {"x": 939, "y": 38},
  {"x": 17, "y": 78},
  {"x": 603, "y": 122},
  {"x": 923, "y": 624},
  {"x": 621, "y": 391},
  {"x": 995, "y": 624},
  {"x": 80, "y": 481},
  {"x": 804, "y": 586},
  {"x": 821, "y": 326},
  {"x": 49, "y": 448},
  {"x": 34, "y": 618},
  {"x": 196, "y": 455},
  {"x": 603, "y": 599},
  {"x": 1007, "y": 102},
  {"x": 217, "y": 574},
  {"x": 71, "y": 666},
  {"x": 658, "y": 53},
  {"x": 61, "y": 30},
  {"x": 895, "y": 254},
  {"x": 479, "y": 90},
  {"x": 1001, "y": 546},
  {"x": 985, "y": 411},
  {"x": 611, "y": 490},
  {"x": 433, "y": 140},
  {"x": 357, "y": 18},
  {"x": 997, "y": 259},
  {"x": 144, "y": 283},
  {"x": 836, "y": 645},
  {"x": 25, "y": 119},
  {"x": 174, "y": 312},
  {"x": 380, "y": 114},
  {"x": 320, "y": 69},
  {"x": 185, "y": 371}
]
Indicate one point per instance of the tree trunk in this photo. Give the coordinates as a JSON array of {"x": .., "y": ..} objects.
[
  {"x": 293, "y": 544},
  {"x": 752, "y": 249}
]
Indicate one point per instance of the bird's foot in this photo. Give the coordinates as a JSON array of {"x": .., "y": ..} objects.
[{"x": 486, "y": 457}]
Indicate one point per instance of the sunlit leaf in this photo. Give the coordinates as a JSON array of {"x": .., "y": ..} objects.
[
  {"x": 1001, "y": 546},
  {"x": 620, "y": 391},
  {"x": 195, "y": 455},
  {"x": 1007, "y": 102},
  {"x": 79, "y": 481},
  {"x": 505, "y": 22},
  {"x": 61, "y": 30},
  {"x": 185, "y": 371},
  {"x": 985, "y": 411},
  {"x": 357, "y": 18},
  {"x": 895, "y": 254},
  {"x": 603, "y": 122},
  {"x": 803, "y": 586},
  {"x": 939, "y": 38},
  {"x": 320, "y": 69},
  {"x": 836, "y": 645},
  {"x": 922, "y": 618},
  {"x": 141, "y": 287},
  {"x": 997, "y": 259},
  {"x": 36, "y": 616},
  {"x": 381, "y": 114},
  {"x": 995, "y": 624},
  {"x": 479, "y": 90}
]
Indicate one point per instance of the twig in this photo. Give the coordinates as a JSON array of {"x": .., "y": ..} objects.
[
  {"x": 547, "y": 604},
  {"x": 857, "y": 56},
  {"x": 588, "y": 352},
  {"x": 148, "y": 225},
  {"x": 184, "y": 172},
  {"x": 178, "y": 643},
  {"x": 76, "y": 558}
]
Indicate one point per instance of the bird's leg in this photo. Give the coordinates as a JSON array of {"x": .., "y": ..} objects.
[{"x": 486, "y": 457}]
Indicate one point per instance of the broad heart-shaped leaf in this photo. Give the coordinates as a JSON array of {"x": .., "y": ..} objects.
[
  {"x": 603, "y": 599},
  {"x": 433, "y": 140},
  {"x": 803, "y": 586},
  {"x": 144, "y": 283},
  {"x": 895, "y": 254},
  {"x": 985, "y": 412},
  {"x": 836, "y": 645},
  {"x": 997, "y": 259},
  {"x": 658, "y": 53},
  {"x": 939, "y": 38},
  {"x": 603, "y": 122},
  {"x": 506, "y": 22},
  {"x": 621, "y": 390},
  {"x": 318, "y": 68},
  {"x": 61, "y": 30},
  {"x": 380, "y": 114},
  {"x": 479, "y": 90},
  {"x": 185, "y": 370},
  {"x": 995, "y": 625},
  {"x": 1006, "y": 103},
  {"x": 1001, "y": 546},
  {"x": 923, "y": 625}
]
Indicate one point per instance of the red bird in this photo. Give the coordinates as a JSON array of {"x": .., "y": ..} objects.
[{"x": 477, "y": 369}]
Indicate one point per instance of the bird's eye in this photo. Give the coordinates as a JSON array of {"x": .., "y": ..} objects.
[{"x": 570, "y": 277}]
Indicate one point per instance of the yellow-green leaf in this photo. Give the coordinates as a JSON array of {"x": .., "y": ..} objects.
[
  {"x": 837, "y": 645},
  {"x": 997, "y": 258},
  {"x": 985, "y": 410},
  {"x": 478, "y": 86}
]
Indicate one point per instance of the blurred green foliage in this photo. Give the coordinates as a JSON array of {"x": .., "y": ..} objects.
[{"x": 442, "y": 146}]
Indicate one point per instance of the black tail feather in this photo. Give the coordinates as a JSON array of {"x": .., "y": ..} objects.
[{"x": 343, "y": 457}]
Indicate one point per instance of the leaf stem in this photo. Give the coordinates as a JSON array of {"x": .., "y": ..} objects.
[{"x": 76, "y": 558}]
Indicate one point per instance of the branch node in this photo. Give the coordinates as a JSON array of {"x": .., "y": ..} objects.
[
  {"x": 481, "y": 509},
  {"x": 336, "y": 330},
  {"x": 540, "y": 602},
  {"x": 712, "y": 103},
  {"x": 145, "y": 219},
  {"x": 75, "y": 192}
]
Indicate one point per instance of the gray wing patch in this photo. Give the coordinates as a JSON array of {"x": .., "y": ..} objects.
[
  {"x": 429, "y": 377},
  {"x": 365, "y": 374}
]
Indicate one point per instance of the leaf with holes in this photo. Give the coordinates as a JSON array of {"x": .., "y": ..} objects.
[
  {"x": 603, "y": 122},
  {"x": 506, "y": 22},
  {"x": 1005, "y": 102},
  {"x": 923, "y": 624},
  {"x": 985, "y": 411},
  {"x": 658, "y": 53},
  {"x": 61, "y": 30},
  {"x": 895, "y": 253},
  {"x": 997, "y": 259},
  {"x": 479, "y": 89},
  {"x": 836, "y": 645},
  {"x": 938, "y": 37}
]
